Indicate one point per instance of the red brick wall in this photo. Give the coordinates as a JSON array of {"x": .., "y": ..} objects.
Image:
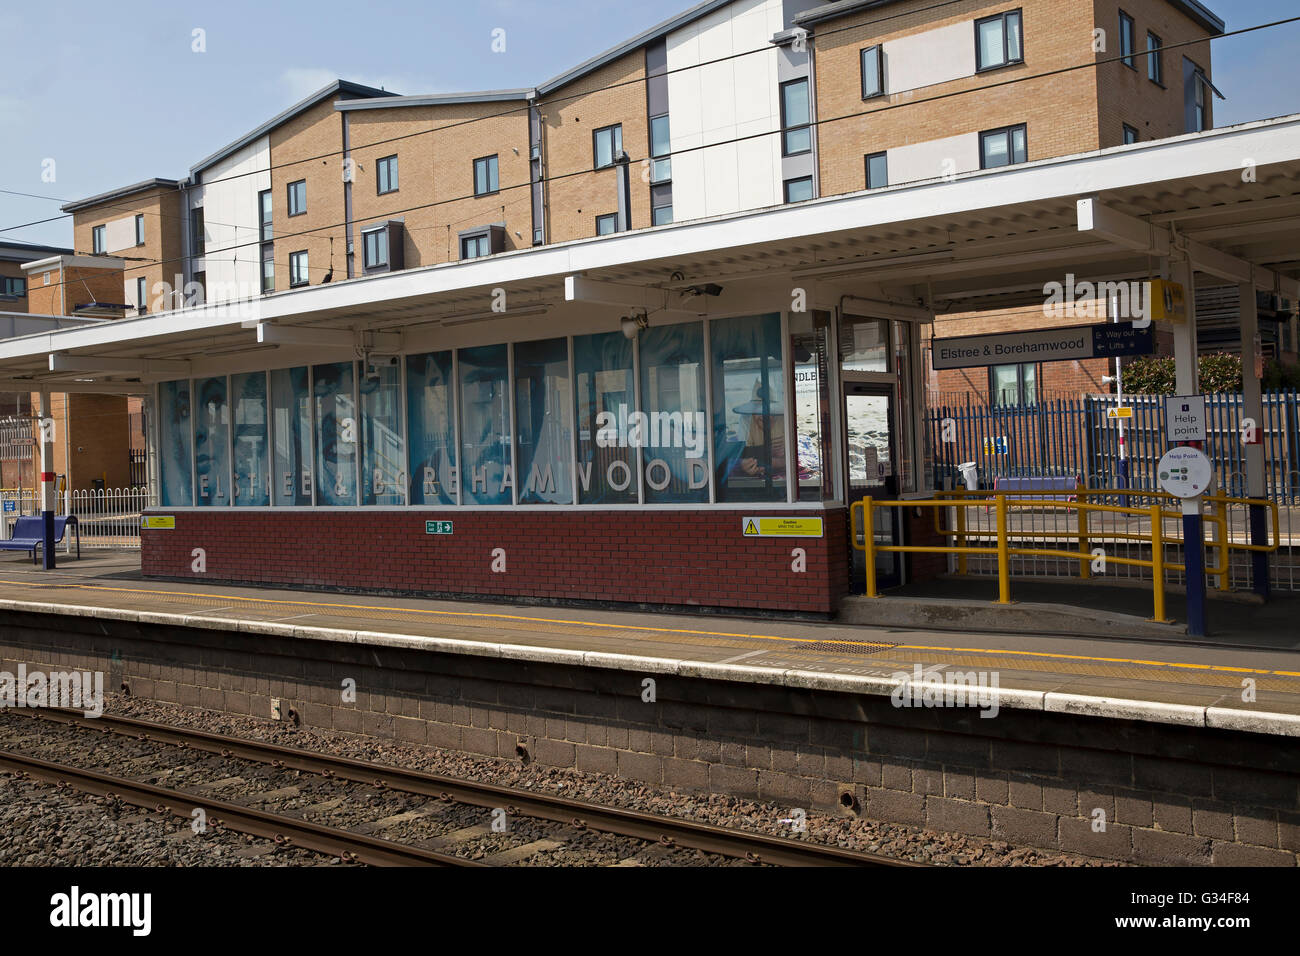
[{"x": 671, "y": 558}]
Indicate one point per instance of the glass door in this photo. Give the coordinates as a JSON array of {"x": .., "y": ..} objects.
[{"x": 871, "y": 461}]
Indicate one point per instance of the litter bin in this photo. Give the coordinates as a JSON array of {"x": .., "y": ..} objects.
[
  {"x": 97, "y": 484},
  {"x": 970, "y": 475}
]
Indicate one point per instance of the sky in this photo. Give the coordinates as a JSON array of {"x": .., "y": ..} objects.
[{"x": 94, "y": 95}]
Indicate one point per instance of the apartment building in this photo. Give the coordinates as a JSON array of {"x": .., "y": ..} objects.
[
  {"x": 732, "y": 105},
  {"x": 13, "y": 278}
]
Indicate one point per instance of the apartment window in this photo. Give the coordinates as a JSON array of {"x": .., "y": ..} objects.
[
  {"x": 1130, "y": 135},
  {"x": 14, "y": 286},
  {"x": 607, "y": 143},
  {"x": 661, "y": 204},
  {"x": 472, "y": 247},
  {"x": 538, "y": 237},
  {"x": 199, "y": 237},
  {"x": 386, "y": 175},
  {"x": 375, "y": 247},
  {"x": 298, "y": 274},
  {"x": 139, "y": 230},
  {"x": 998, "y": 41},
  {"x": 1003, "y": 147},
  {"x": 265, "y": 230},
  {"x": 485, "y": 176},
  {"x": 795, "y": 116},
  {"x": 797, "y": 190},
  {"x": 1013, "y": 384},
  {"x": 607, "y": 225},
  {"x": 1199, "y": 120},
  {"x": 140, "y": 293},
  {"x": 873, "y": 72},
  {"x": 97, "y": 240},
  {"x": 877, "y": 170},
  {"x": 298, "y": 197},
  {"x": 661, "y": 169},
  {"x": 1155, "y": 59},
  {"x": 268, "y": 268},
  {"x": 1127, "y": 40}
]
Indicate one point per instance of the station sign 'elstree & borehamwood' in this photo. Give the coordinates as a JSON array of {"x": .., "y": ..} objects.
[{"x": 1044, "y": 345}]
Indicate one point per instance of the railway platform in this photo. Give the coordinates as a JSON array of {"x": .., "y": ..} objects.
[{"x": 1185, "y": 752}]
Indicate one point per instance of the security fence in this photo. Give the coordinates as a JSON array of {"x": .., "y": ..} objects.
[
  {"x": 1075, "y": 439},
  {"x": 105, "y": 519}
]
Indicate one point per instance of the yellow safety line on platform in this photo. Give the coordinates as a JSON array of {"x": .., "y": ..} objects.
[{"x": 664, "y": 630}]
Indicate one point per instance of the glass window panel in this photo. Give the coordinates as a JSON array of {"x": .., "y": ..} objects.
[
  {"x": 383, "y": 449},
  {"x": 176, "y": 479},
  {"x": 672, "y": 426},
  {"x": 252, "y": 485},
  {"x": 1005, "y": 384},
  {"x": 797, "y": 190},
  {"x": 661, "y": 170},
  {"x": 798, "y": 141},
  {"x": 1018, "y": 152},
  {"x": 660, "y": 139},
  {"x": 1029, "y": 384},
  {"x": 211, "y": 443},
  {"x": 606, "y": 399},
  {"x": 794, "y": 97},
  {"x": 291, "y": 465},
  {"x": 607, "y": 225},
  {"x": 990, "y": 43},
  {"x": 877, "y": 171},
  {"x": 748, "y": 408},
  {"x": 485, "y": 426},
  {"x": 871, "y": 71},
  {"x": 1013, "y": 36},
  {"x": 864, "y": 344},
  {"x": 995, "y": 150},
  {"x": 431, "y": 429},
  {"x": 663, "y": 215},
  {"x": 336, "y": 433},
  {"x": 810, "y": 350},
  {"x": 543, "y": 433}
]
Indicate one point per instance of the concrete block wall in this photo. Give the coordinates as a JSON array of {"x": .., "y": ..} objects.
[{"x": 1167, "y": 794}]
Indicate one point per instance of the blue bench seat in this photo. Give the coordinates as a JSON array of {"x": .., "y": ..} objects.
[{"x": 29, "y": 534}]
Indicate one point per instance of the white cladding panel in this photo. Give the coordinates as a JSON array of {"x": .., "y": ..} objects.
[
  {"x": 119, "y": 234},
  {"x": 935, "y": 158},
  {"x": 935, "y": 56},
  {"x": 228, "y": 196},
  {"x": 737, "y": 97}
]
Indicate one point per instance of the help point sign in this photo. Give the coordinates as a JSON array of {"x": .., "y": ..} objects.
[{"x": 1185, "y": 418}]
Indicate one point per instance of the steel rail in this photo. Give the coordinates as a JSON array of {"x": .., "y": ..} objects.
[
  {"x": 655, "y": 828},
  {"x": 283, "y": 830}
]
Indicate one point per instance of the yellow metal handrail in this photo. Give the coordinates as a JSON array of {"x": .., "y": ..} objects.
[{"x": 960, "y": 501}]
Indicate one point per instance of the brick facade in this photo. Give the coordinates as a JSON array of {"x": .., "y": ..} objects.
[
  {"x": 570, "y": 116},
  {"x": 690, "y": 558},
  {"x": 161, "y": 255},
  {"x": 435, "y": 199}
]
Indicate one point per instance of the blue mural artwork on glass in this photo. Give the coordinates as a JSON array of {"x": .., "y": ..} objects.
[
  {"x": 336, "y": 434},
  {"x": 211, "y": 443},
  {"x": 175, "y": 460},
  {"x": 431, "y": 428},
  {"x": 487, "y": 464}
]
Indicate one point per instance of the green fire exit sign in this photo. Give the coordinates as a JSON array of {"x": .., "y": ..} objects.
[{"x": 437, "y": 527}]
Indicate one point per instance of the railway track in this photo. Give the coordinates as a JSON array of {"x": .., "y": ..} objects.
[{"x": 668, "y": 833}]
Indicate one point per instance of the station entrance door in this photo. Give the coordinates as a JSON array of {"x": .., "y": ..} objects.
[{"x": 871, "y": 460}]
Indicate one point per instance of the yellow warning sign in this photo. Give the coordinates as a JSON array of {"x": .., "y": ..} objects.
[
  {"x": 757, "y": 527},
  {"x": 158, "y": 523},
  {"x": 1119, "y": 413}
]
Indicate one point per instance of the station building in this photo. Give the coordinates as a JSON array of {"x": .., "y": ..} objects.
[{"x": 488, "y": 358}]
